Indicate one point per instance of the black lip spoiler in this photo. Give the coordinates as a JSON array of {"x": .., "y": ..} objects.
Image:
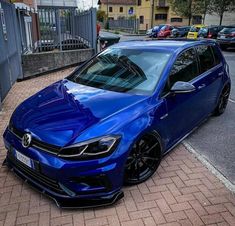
[{"x": 67, "y": 202}]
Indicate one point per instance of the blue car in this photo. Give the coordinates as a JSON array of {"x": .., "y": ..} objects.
[
  {"x": 155, "y": 30},
  {"x": 112, "y": 120}
]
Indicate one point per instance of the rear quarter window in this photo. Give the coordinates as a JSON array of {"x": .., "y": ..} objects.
[{"x": 206, "y": 58}]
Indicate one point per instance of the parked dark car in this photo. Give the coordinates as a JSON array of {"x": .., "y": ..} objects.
[
  {"x": 165, "y": 31},
  {"x": 114, "y": 117},
  {"x": 156, "y": 29},
  {"x": 180, "y": 31},
  {"x": 226, "y": 37},
  {"x": 209, "y": 31}
]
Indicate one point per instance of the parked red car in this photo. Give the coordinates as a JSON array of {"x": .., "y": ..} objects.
[{"x": 165, "y": 31}]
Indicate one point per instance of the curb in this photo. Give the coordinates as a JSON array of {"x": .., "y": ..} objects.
[{"x": 210, "y": 167}]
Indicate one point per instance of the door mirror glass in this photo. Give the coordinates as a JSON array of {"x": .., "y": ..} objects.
[{"x": 182, "y": 87}]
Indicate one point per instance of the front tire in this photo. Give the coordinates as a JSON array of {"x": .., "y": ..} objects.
[
  {"x": 223, "y": 101},
  {"x": 143, "y": 160}
]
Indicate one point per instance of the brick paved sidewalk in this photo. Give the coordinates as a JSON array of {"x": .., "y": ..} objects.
[{"x": 182, "y": 192}]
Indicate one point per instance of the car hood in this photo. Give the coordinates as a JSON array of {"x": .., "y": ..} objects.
[{"x": 60, "y": 112}]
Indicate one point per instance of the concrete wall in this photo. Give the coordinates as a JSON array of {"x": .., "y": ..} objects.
[
  {"x": 228, "y": 19},
  {"x": 38, "y": 63}
]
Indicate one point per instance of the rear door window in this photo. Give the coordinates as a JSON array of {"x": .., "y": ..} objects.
[
  {"x": 205, "y": 57},
  {"x": 216, "y": 55}
]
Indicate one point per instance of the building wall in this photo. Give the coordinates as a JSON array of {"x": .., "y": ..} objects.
[
  {"x": 116, "y": 10},
  {"x": 144, "y": 13},
  {"x": 228, "y": 19},
  {"x": 144, "y": 10}
]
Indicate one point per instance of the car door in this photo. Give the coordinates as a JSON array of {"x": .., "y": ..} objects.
[
  {"x": 182, "y": 110},
  {"x": 210, "y": 78}
]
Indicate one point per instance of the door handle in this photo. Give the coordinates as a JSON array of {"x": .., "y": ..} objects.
[{"x": 202, "y": 86}]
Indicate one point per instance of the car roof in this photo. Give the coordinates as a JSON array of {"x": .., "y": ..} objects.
[{"x": 170, "y": 45}]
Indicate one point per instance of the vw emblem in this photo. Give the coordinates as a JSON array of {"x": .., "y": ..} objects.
[{"x": 26, "y": 140}]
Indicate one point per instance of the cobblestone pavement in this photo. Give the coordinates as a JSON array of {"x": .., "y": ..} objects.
[{"x": 182, "y": 192}]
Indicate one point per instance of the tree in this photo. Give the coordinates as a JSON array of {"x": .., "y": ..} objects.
[
  {"x": 219, "y": 7},
  {"x": 186, "y": 8},
  {"x": 205, "y": 5},
  {"x": 101, "y": 15}
]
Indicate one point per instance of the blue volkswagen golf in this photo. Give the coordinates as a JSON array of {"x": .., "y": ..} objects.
[{"x": 112, "y": 119}]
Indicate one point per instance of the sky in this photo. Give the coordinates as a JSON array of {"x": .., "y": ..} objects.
[{"x": 86, "y": 4}]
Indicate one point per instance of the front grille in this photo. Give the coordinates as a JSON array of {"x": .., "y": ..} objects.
[
  {"x": 53, "y": 149},
  {"x": 35, "y": 175}
]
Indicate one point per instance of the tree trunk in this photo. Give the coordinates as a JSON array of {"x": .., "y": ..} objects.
[
  {"x": 221, "y": 18},
  {"x": 189, "y": 20},
  {"x": 190, "y": 12}
]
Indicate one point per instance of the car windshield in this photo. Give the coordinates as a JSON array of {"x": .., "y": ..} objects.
[
  {"x": 123, "y": 70},
  {"x": 203, "y": 30},
  {"x": 155, "y": 28},
  {"x": 163, "y": 28},
  {"x": 194, "y": 29}
]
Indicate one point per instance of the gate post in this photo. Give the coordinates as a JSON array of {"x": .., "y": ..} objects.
[{"x": 93, "y": 29}]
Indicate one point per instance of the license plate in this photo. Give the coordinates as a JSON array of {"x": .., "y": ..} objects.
[{"x": 24, "y": 159}]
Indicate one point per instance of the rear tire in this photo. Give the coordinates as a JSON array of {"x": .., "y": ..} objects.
[
  {"x": 143, "y": 160},
  {"x": 223, "y": 101}
]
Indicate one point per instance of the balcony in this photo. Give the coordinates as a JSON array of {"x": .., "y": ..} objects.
[{"x": 162, "y": 4}]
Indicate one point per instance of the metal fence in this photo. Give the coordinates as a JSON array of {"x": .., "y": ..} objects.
[
  {"x": 50, "y": 29},
  {"x": 128, "y": 25},
  {"x": 10, "y": 60}
]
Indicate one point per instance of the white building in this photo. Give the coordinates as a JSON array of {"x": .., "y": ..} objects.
[{"x": 57, "y": 3}]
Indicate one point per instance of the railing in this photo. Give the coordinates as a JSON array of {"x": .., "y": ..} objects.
[
  {"x": 162, "y": 4},
  {"x": 51, "y": 29},
  {"x": 128, "y": 25}
]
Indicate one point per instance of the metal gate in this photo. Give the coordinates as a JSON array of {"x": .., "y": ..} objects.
[{"x": 10, "y": 59}]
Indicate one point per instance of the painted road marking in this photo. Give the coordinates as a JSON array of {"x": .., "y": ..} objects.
[{"x": 233, "y": 101}]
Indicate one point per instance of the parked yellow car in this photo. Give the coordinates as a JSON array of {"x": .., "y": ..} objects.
[{"x": 193, "y": 32}]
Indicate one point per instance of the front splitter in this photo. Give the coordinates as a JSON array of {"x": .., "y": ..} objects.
[{"x": 67, "y": 201}]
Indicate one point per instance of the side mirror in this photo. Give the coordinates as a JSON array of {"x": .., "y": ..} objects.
[{"x": 182, "y": 87}]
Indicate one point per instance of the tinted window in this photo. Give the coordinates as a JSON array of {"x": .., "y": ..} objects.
[
  {"x": 123, "y": 70},
  {"x": 184, "y": 69},
  {"x": 216, "y": 55},
  {"x": 205, "y": 57}
]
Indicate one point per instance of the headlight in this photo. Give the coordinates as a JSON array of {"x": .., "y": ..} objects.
[{"x": 94, "y": 148}]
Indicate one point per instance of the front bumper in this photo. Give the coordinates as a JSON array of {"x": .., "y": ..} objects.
[
  {"x": 70, "y": 184},
  {"x": 64, "y": 201}
]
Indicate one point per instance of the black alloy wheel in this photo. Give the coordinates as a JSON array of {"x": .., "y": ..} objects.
[
  {"x": 223, "y": 101},
  {"x": 143, "y": 160}
]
